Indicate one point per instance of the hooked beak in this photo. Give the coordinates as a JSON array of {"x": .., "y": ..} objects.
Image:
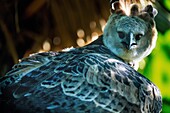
[{"x": 130, "y": 42}]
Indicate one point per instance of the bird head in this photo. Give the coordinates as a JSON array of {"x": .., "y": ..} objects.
[{"x": 131, "y": 35}]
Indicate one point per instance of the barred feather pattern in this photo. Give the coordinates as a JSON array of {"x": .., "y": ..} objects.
[{"x": 82, "y": 80}]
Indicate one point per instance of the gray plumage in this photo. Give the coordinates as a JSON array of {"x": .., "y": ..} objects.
[{"x": 91, "y": 79}]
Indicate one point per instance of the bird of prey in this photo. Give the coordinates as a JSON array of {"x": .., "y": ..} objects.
[{"x": 97, "y": 78}]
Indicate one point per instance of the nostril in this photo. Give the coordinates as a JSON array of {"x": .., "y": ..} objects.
[
  {"x": 129, "y": 46},
  {"x": 133, "y": 44}
]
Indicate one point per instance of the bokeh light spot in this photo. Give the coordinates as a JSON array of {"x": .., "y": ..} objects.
[
  {"x": 80, "y": 33},
  {"x": 46, "y": 46},
  {"x": 80, "y": 42}
]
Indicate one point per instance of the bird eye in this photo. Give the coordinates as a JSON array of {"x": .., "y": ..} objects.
[
  {"x": 138, "y": 36},
  {"x": 121, "y": 34}
]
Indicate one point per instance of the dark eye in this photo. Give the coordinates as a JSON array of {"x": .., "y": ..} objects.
[
  {"x": 121, "y": 34},
  {"x": 138, "y": 36}
]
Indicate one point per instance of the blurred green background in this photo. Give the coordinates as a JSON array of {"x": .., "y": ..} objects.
[
  {"x": 157, "y": 65},
  {"x": 29, "y": 26},
  {"x": 157, "y": 68}
]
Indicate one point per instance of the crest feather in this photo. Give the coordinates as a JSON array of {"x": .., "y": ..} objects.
[{"x": 125, "y": 5}]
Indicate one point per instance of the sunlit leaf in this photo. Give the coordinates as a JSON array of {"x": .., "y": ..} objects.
[{"x": 167, "y": 4}]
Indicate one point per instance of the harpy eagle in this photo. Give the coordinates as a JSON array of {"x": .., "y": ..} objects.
[{"x": 97, "y": 78}]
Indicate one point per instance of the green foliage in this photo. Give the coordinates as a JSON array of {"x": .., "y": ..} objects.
[
  {"x": 160, "y": 74},
  {"x": 166, "y": 106},
  {"x": 157, "y": 68},
  {"x": 167, "y": 4}
]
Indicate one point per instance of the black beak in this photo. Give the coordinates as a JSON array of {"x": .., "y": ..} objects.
[{"x": 130, "y": 42}]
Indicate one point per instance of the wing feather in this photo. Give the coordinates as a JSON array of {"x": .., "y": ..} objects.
[{"x": 96, "y": 77}]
